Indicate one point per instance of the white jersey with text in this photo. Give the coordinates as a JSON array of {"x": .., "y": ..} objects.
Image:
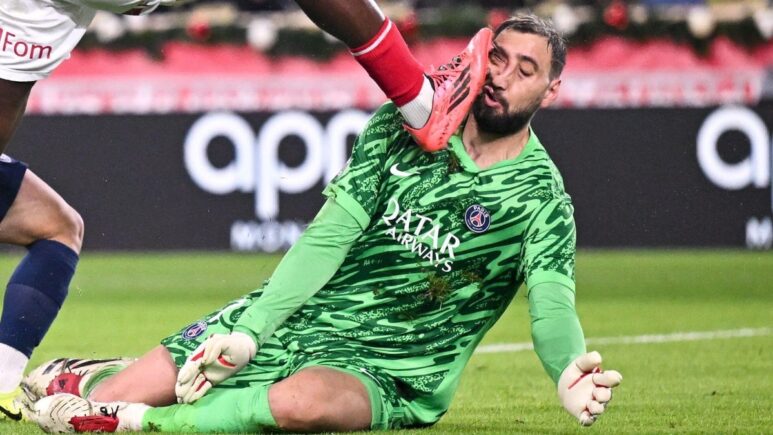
[{"x": 38, "y": 35}]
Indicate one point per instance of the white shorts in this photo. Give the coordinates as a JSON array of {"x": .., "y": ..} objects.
[{"x": 37, "y": 35}]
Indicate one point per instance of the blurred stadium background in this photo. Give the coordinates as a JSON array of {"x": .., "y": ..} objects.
[{"x": 213, "y": 128}]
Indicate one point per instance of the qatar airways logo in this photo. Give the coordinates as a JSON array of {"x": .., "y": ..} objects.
[
  {"x": 421, "y": 235},
  {"x": 11, "y": 43}
]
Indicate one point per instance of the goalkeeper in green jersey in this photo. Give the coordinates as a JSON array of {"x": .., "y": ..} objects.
[{"x": 371, "y": 317}]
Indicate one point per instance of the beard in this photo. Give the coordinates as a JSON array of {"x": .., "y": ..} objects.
[{"x": 503, "y": 123}]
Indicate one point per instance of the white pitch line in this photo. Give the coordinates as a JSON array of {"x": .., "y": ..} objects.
[{"x": 640, "y": 339}]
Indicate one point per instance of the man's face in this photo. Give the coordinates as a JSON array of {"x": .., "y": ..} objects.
[{"x": 518, "y": 83}]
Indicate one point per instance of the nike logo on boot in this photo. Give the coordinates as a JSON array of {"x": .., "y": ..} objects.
[{"x": 12, "y": 416}]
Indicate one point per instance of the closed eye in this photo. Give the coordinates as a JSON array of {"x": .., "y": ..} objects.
[
  {"x": 496, "y": 55},
  {"x": 527, "y": 65}
]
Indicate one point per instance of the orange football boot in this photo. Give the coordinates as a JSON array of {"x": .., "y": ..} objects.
[{"x": 456, "y": 85}]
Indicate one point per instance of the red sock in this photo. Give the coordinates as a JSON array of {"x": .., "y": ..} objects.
[{"x": 388, "y": 61}]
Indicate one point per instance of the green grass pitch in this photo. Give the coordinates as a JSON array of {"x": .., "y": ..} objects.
[{"x": 121, "y": 304}]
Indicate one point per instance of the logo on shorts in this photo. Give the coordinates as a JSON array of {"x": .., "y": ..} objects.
[
  {"x": 194, "y": 330},
  {"x": 394, "y": 170},
  {"x": 477, "y": 218},
  {"x": 5, "y": 159}
]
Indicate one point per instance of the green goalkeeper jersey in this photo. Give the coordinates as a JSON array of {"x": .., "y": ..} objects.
[{"x": 444, "y": 249}]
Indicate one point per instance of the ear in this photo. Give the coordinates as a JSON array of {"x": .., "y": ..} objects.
[{"x": 551, "y": 93}]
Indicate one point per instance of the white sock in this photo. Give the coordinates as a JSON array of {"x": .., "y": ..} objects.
[
  {"x": 130, "y": 417},
  {"x": 416, "y": 112},
  {"x": 12, "y": 365}
]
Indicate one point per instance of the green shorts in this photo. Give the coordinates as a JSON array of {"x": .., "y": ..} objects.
[{"x": 275, "y": 362}]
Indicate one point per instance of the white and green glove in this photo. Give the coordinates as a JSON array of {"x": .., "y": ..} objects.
[
  {"x": 214, "y": 361},
  {"x": 584, "y": 389}
]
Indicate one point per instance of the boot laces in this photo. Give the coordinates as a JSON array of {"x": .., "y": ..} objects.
[{"x": 446, "y": 72}]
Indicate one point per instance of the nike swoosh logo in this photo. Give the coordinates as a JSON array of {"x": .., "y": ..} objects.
[
  {"x": 398, "y": 173},
  {"x": 12, "y": 416}
]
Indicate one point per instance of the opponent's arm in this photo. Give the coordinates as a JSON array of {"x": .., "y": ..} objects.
[{"x": 303, "y": 271}]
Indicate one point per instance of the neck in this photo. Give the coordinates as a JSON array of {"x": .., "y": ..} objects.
[{"x": 487, "y": 149}]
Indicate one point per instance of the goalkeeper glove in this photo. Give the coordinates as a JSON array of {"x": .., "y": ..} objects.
[
  {"x": 214, "y": 361},
  {"x": 584, "y": 389}
]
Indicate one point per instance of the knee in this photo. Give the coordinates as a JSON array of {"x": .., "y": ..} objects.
[
  {"x": 75, "y": 228},
  {"x": 300, "y": 405},
  {"x": 67, "y": 228},
  {"x": 307, "y": 402}
]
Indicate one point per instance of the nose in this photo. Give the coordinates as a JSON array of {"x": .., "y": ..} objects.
[{"x": 497, "y": 78}]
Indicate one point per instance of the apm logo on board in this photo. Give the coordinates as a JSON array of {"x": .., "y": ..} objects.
[
  {"x": 256, "y": 167},
  {"x": 752, "y": 171}
]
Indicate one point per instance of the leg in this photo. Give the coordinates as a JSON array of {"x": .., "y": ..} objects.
[
  {"x": 13, "y": 102},
  {"x": 148, "y": 380},
  {"x": 41, "y": 220},
  {"x": 39, "y": 213},
  {"x": 433, "y": 106},
  {"x": 71, "y": 375},
  {"x": 318, "y": 399},
  {"x": 151, "y": 379},
  {"x": 378, "y": 46},
  {"x": 353, "y": 22},
  {"x": 315, "y": 399}
]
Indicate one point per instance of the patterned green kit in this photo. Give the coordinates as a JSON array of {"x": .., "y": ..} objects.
[{"x": 445, "y": 248}]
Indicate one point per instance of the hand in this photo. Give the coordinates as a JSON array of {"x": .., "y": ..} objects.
[
  {"x": 584, "y": 389},
  {"x": 214, "y": 361}
]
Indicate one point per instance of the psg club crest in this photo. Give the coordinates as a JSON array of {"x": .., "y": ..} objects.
[
  {"x": 194, "y": 330},
  {"x": 477, "y": 218}
]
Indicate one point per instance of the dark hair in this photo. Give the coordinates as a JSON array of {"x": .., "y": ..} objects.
[{"x": 528, "y": 23}]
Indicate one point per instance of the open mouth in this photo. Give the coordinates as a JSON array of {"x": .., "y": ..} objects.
[{"x": 490, "y": 97}]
